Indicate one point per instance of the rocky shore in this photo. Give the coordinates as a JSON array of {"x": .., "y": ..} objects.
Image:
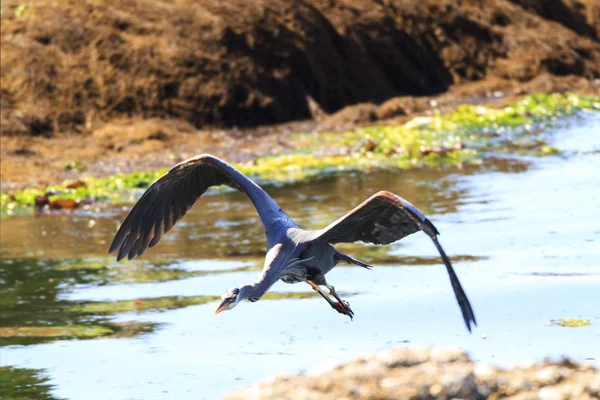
[{"x": 407, "y": 373}]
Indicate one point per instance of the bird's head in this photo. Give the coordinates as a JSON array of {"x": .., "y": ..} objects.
[{"x": 231, "y": 298}]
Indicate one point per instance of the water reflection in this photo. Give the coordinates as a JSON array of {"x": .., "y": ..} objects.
[
  {"x": 66, "y": 253},
  {"x": 32, "y": 311},
  {"x": 22, "y": 383},
  {"x": 226, "y": 225}
]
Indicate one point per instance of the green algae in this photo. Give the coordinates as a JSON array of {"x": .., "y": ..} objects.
[
  {"x": 78, "y": 331},
  {"x": 106, "y": 270},
  {"x": 570, "y": 322},
  {"x": 24, "y": 335},
  {"x": 141, "y": 271},
  {"x": 24, "y": 10},
  {"x": 78, "y": 264},
  {"x": 147, "y": 304},
  {"x": 168, "y": 303},
  {"x": 465, "y": 135},
  {"x": 117, "y": 188}
]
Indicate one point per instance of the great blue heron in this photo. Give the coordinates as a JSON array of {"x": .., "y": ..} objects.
[{"x": 294, "y": 255}]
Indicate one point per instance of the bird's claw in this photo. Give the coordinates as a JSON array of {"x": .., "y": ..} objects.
[{"x": 344, "y": 308}]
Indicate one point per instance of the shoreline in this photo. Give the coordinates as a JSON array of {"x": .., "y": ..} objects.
[{"x": 465, "y": 135}]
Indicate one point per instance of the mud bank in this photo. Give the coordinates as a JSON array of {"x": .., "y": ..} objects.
[
  {"x": 465, "y": 136},
  {"x": 102, "y": 87},
  {"x": 73, "y": 66}
]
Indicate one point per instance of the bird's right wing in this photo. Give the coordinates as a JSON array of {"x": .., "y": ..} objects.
[
  {"x": 172, "y": 195},
  {"x": 383, "y": 219}
]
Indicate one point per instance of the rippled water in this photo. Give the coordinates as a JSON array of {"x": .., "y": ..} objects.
[{"x": 524, "y": 235}]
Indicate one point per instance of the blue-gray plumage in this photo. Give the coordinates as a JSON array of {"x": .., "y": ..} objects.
[{"x": 293, "y": 254}]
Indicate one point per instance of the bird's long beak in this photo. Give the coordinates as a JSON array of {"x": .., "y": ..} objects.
[{"x": 223, "y": 306}]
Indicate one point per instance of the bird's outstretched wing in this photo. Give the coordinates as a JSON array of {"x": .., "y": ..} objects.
[
  {"x": 381, "y": 219},
  {"x": 385, "y": 218},
  {"x": 173, "y": 194}
]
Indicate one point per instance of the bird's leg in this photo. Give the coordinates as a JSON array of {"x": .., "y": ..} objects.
[
  {"x": 343, "y": 302},
  {"x": 342, "y": 308},
  {"x": 318, "y": 289}
]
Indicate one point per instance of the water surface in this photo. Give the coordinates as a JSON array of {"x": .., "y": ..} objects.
[{"x": 524, "y": 235}]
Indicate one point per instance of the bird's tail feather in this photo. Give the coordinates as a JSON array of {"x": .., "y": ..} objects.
[{"x": 351, "y": 260}]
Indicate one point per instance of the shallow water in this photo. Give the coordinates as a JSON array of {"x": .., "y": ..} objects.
[{"x": 523, "y": 233}]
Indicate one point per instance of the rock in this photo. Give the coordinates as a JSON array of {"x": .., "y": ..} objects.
[
  {"x": 350, "y": 116},
  {"x": 407, "y": 373}
]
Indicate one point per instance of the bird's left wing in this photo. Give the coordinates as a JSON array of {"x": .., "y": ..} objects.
[
  {"x": 172, "y": 195},
  {"x": 383, "y": 219},
  {"x": 167, "y": 200}
]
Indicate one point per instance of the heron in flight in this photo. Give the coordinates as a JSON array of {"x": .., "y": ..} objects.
[{"x": 293, "y": 254}]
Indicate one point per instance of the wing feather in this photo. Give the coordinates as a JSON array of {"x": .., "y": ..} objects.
[
  {"x": 381, "y": 219},
  {"x": 385, "y": 218},
  {"x": 172, "y": 195}
]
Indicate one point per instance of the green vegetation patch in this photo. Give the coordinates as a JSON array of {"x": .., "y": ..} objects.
[
  {"x": 460, "y": 136},
  {"x": 167, "y": 303},
  {"x": 463, "y": 136},
  {"x": 140, "y": 271},
  {"x": 81, "y": 264},
  {"x": 158, "y": 303},
  {"x": 25, "y": 335},
  {"x": 78, "y": 331},
  {"x": 570, "y": 322},
  {"x": 293, "y": 295}
]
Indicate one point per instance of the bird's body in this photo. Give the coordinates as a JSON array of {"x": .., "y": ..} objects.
[
  {"x": 317, "y": 258},
  {"x": 293, "y": 255}
]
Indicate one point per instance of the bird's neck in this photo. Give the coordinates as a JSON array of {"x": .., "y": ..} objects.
[
  {"x": 254, "y": 291},
  {"x": 271, "y": 215}
]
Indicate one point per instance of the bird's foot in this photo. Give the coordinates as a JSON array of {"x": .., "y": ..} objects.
[{"x": 343, "y": 308}]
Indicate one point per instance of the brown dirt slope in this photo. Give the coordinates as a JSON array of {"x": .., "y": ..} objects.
[
  {"x": 69, "y": 66},
  {"x": 581, "y": 16}
]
